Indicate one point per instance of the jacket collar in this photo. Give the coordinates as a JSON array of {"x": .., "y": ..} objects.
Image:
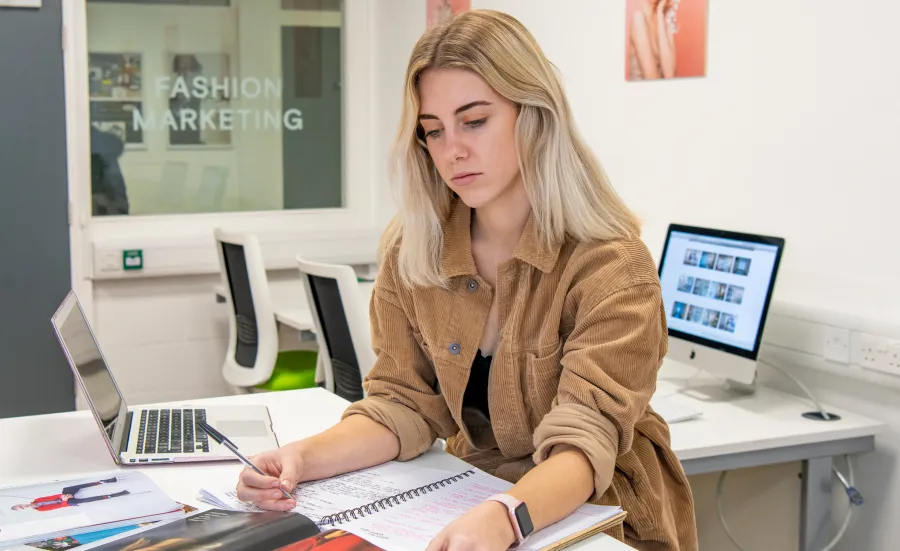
[{"x": 457, "y": 260}]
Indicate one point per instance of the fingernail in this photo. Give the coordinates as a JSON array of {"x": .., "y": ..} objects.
[{"x": 286, "y": 484}]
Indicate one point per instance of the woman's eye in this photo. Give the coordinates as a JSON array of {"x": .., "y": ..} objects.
[
  {"x": 476, "y": 123},
  {"x": 432, "y": 134}
]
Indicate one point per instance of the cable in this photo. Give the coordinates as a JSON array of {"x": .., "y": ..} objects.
[
  {"x": 825, "y": 414},
  {"x": 848, "y": 483}
]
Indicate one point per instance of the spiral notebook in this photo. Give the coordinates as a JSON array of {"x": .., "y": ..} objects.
[{"x": 401, "y": 506}]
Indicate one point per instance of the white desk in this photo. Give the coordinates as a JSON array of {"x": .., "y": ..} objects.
[
  {"x": 78, "y": 449},
  {"x": 298, "y": 318},
  {"x": 765, "y": 428},
  {"x": 734, "y": 432}
]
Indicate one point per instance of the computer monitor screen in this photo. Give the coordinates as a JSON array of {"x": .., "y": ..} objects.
[{"x": 717, "y": 286}]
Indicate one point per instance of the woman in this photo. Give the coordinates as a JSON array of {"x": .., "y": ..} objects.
[
  {"x": 517, "y": 314},
  {"x": 652, "y": 48}
]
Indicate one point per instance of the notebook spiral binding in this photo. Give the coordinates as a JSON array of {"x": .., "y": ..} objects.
[{"x": 382, "y": 504}]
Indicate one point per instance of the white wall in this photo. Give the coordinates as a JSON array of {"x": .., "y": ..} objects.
[{"x": 791, "y": 133}]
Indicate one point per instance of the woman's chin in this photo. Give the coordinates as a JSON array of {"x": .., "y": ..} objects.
[{"x": 474, "y": 198}]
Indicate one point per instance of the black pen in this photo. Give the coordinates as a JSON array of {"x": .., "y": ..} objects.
[{"x": 223, "y": 440}]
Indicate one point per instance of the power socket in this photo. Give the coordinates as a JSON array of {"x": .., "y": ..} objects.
[
  {"x": 893, "y": 356},
  {"x": 876, "y": 353}
]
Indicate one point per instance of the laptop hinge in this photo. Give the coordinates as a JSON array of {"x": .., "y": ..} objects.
[{"x": 126, "y": 436}]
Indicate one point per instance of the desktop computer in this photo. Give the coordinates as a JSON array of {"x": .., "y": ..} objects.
[{"x": 717, "y": 286}]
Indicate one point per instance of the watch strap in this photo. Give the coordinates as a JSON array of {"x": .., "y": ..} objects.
[{"x": 511, "y": 503}]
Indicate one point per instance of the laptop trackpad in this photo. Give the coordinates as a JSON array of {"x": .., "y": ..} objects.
[{"x": 242, "y": 429}]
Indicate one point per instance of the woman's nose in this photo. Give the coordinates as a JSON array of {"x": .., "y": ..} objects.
[{"x": 456, "y": 149}]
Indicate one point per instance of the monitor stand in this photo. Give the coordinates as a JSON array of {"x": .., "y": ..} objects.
[
  {"x": 694, "y": 381},
  {"x": 741, "y": 389}
]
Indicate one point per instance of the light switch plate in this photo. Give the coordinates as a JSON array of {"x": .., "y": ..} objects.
[{"x": 837, "y": 345}]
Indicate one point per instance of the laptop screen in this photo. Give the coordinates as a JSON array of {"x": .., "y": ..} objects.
[{"x": 87, "y": 361}]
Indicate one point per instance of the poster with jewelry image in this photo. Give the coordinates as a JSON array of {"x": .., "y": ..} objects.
[
  {"x": 665, "y": 39},
  {"x": 439, "y": 11},
  {"x": 114, "y": 76}
]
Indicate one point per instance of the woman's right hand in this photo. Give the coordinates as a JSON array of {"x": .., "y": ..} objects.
[{"x": 283, "y": 468}]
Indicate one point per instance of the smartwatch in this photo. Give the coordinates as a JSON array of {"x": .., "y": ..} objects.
[{"x": 518, "y": 516}]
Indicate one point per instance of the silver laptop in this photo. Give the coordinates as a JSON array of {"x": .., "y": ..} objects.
[{"x": 137, "y": 436}]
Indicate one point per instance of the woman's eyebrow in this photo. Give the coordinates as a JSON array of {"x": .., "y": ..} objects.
[{"x": 458, "y": 110}]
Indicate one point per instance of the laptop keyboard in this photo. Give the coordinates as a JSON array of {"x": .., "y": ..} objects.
[{"x": 171, "y": 431}]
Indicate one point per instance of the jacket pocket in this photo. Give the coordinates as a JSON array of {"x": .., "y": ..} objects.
[{"x": 543, "y": 369}]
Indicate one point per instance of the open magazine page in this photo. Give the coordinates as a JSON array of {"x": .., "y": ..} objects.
[
  {"x": 89, "y": 540},
  {"x": 221, "y": 530},
  {"x": 333, "y": 540},
  {"x": 69, "y": 507}
]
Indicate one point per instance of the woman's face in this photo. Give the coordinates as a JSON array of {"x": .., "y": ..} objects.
[{"x": 470, "y": 133}]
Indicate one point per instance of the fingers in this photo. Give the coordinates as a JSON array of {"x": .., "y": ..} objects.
[
  {"x": 257, "y": 488},
  {"x": 277, "y": 505},
  {"x": 253, "y": 479},
  {"x": 256, "y": 495},
  {"x": 438, "y": 543},
  {"x": 265, "y": 490},
  {"x": 289, "y": 477}
]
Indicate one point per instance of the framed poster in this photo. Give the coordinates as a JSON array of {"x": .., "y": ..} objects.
[
  {"x": 117, "y": 118},
  {"x": 115, "y": 76},
  {"x": 200, "y": 89},
  {"x": 665, "y": 39}
]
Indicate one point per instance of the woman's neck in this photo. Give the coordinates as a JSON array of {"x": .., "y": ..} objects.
[{"x": 500, "y": 223}]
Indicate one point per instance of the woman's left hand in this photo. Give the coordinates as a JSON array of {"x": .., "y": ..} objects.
[{"x": 486, "y": 527}]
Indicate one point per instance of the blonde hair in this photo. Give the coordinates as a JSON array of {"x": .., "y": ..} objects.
[{"x": 569, "y": 193}]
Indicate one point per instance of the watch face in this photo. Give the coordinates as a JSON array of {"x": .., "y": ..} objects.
[{"x": 524, "y": 520}]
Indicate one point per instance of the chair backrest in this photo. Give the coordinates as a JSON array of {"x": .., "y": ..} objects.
[
  {"x": 253, "y": 332},
  {"x": 341, "y": 320}
]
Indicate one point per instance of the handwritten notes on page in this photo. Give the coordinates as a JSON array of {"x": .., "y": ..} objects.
[{"x": 341, "y": 493}]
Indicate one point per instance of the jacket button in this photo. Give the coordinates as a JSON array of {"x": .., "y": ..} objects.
[
  {"x": 472, "y": 285},
  {"x": 454, "y": 348}
]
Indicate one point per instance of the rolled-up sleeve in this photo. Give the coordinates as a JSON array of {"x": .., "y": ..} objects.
[
  {"x": 401, "y": 388},
  {"x": 609, "y": 367}
]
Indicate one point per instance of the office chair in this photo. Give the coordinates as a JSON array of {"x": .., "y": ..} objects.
[
  {"x": 341, "y": 320},
  {"x": 253, "y": 360}
]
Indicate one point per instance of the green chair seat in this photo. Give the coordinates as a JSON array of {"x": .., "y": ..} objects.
[{"x": 293, "y": 369}]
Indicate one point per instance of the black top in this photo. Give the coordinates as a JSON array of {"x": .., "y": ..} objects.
[{"x": 476, "y": 395}]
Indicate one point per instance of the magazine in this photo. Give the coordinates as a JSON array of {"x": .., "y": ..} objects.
[
  {"x": 333, "y": 540},
  {"x": 72, "y": 507},
  {"x": 220, "y": 529},
  {"x": 89, "y": 540}
]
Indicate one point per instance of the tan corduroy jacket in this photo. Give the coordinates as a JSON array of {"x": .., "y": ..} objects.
[{"x": 583, "y": 333}]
